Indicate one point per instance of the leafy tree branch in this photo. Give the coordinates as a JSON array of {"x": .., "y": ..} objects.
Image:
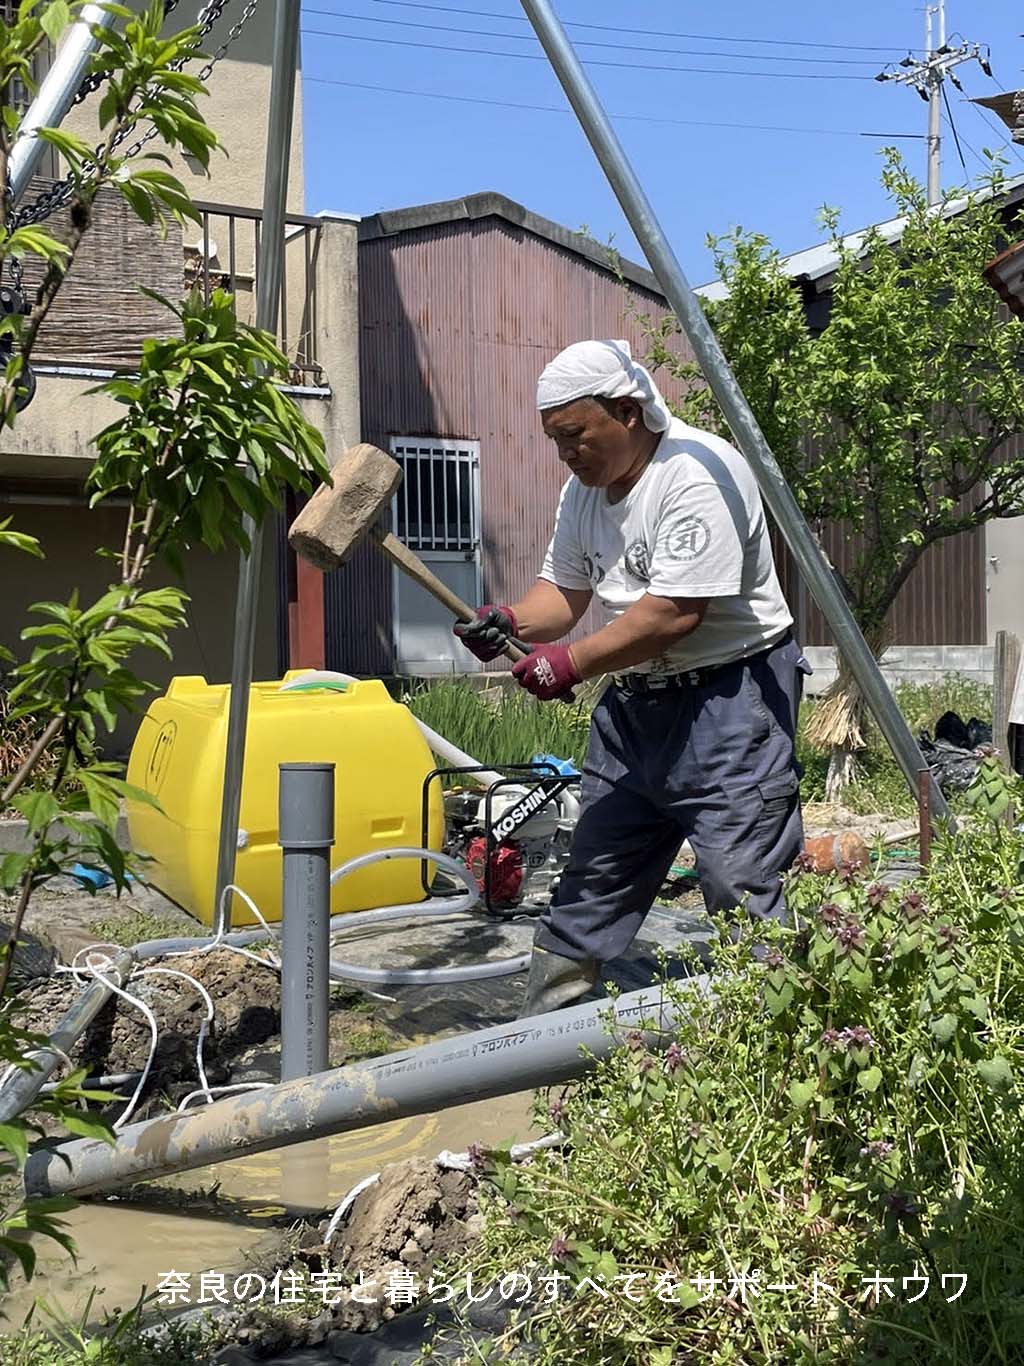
[{"x": 897, "y": 419}]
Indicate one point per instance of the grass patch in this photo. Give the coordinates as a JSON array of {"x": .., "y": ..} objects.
[
  {"x": 499, "y": 727},
  {"x": 369, "y": 1042},
  {"x": 138, "y": 926},
  {"x": 121, "y": 1341}
]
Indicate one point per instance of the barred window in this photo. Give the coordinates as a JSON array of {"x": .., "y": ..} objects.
[{"x": 437, "y": 503}]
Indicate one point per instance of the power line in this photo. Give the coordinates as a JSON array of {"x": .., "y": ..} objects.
[
  {"x": 952, "y": 124},
  {"x": 623, "y": 66},
  {"x": 928, "y": 77},
  {"x": 640, "y": 118},
  {"x": 590, "y": 42},
  {"x": 982, "y": 162},
  {"x": 649, "y": 32}
]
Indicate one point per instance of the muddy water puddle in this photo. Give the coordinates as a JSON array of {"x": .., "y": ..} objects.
[{"x": 123, "y": 1247}]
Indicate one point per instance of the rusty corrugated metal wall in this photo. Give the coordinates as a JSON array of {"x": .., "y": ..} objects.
[
  {"x": 456, "y": 322},
  {"x": 942, "y": 603}
]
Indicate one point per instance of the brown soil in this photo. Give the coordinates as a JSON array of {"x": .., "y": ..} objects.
[
  {"x": 247, "y": 1016},
  {"x": 416, "y": 1215},
  {"x": 246, "y": 998}
]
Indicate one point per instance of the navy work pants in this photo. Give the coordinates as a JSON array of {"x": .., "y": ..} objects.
[{"x": 711, "y": 763}]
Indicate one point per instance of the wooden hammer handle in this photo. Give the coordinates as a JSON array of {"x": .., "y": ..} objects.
[{"x": 412, "y": 565}]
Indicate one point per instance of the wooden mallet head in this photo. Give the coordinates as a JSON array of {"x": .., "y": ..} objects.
[
  {"x": 344, "y": 512},
  {"x": 340, "y": 514}
]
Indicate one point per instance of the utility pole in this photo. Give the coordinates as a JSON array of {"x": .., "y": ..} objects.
[
  {"x": 934, "y": 86},
  {"x": 927, "y": 77}
]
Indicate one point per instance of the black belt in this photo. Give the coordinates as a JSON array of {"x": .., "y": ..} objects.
[{"x": 688, "y": 678}]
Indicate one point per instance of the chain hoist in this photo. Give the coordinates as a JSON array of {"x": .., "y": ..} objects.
[{"x": 62, "y": 192}]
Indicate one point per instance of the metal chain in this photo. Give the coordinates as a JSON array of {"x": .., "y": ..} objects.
[{"x": 63, "y": 191}]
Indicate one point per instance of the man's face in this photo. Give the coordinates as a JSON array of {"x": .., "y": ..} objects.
[{"x": 599, "y": 442}]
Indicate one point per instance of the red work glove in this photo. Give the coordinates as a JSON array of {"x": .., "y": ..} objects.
[
  {"x": 487, "y": 636},
  {"x": 548, "y": 672}
]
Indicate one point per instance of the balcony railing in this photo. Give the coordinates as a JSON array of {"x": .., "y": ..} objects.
[{"x": 223, "y": 252}]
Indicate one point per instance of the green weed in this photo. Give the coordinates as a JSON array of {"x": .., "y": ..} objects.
[
  {"x": 500, "y": 727},
  {"x": 138, "y": 926},
  {"x": 845, "y": 1112}
]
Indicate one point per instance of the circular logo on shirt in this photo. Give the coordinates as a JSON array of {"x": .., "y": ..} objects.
[
  {"x": 638, "y": 561},
  {"x": 690, "y": 538}
]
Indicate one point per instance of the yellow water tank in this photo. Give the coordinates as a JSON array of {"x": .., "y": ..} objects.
[{"x": 381, "y": 758}]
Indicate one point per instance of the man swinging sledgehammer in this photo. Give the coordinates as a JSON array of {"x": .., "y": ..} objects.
[{"x": 694, "y": 736}]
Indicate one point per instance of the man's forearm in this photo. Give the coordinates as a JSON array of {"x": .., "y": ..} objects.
[
  {"x": 547, "y": 612},
  {"x": 644, "y": 631}
]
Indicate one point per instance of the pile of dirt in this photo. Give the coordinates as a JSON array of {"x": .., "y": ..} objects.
[
  {"x": 246, "y": 999},
  {"x": 415, "y": 1216}
]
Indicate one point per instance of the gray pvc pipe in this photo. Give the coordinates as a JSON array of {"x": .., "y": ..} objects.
[
  {"x": 306, "y": 836},
  {"x": 542, "y": 1051},
  {"x": 807, "y": 551},
  {"x": 56, "y": 94},
  {"x": 24, "y": 1086}
]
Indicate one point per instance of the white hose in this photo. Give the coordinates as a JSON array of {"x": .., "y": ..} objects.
[
  {"x": 347, "y": 1204},
  {"x": 140, "y": 1005},
  {"x": 458, "y": 758}
]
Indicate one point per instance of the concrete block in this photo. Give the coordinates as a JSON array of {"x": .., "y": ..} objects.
[
  {"x": 14, "y": 836},
  {"x": 925, "y": 656},
  {"x": 966, "y": 659}
]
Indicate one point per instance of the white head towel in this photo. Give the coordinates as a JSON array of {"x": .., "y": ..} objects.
[{"x": 602, "y": 369}]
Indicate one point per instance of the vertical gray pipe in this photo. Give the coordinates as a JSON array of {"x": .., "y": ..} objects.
[
  {"x": 268, "y": 302},
  {"x": 56, "y": 94},
  {"x": 306, "y": 825},
  {"x": 810, "y": 557}
]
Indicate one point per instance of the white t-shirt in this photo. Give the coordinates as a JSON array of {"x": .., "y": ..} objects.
[{"x": 693, "y": 526}]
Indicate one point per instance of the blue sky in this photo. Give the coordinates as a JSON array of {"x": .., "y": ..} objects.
[{"x": 385, "y": 147}]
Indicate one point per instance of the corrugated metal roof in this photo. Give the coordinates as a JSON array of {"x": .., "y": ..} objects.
[
  {"x": 490, "y": 204},
  {"x": 814, "y": 263}
]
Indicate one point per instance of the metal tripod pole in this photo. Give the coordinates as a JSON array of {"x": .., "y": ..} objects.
[
  {"x": 56, "y": 94},
  {"x": 268, "y": 301},
  {"x": 810, "y": 558}
]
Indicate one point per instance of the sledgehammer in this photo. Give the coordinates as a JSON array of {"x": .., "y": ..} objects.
[{"x": 341, "y": 514}]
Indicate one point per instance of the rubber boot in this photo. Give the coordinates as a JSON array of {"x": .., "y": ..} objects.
[{"x": 556, "y": 982}]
